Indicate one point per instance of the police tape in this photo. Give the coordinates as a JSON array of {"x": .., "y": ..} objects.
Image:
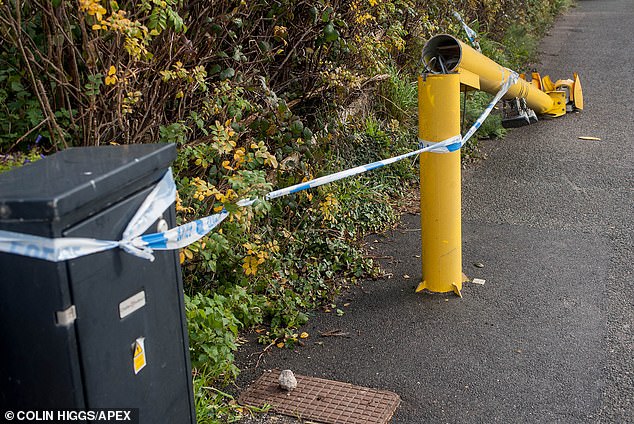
[
  {"x": 471, "y": 34},
  {"x": 163, "y": 196},
  {"x": 65, "y": 248},
  {"x": 512, "y": 79}
]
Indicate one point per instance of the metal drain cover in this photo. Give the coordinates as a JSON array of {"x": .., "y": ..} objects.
[{"x": 326, "y": 401}]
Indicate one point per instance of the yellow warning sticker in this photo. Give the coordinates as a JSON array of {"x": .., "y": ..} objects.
[{"x": 139, "y": 355}]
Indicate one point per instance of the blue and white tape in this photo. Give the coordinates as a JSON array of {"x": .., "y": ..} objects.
[
  {"x": 471, "y": 34},
  {"x": 164, "y": 194},
  {"x": 65, "y": 248},
  {"x": 452, "y": 147}
]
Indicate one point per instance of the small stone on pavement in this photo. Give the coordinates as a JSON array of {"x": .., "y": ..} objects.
[{"x": 287, "y": 380}]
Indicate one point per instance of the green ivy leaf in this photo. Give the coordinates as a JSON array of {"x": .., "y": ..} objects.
[{"x": 227, "y": 74}]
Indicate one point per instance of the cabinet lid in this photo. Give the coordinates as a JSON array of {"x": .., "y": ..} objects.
[{"x": 83, "y": 179}]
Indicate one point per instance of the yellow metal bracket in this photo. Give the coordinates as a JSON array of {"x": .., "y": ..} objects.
[
  {"x": 536, "y": 80},
  {"x": 559, "y": 103},
  {"x": 547, "y": 84},
  {"x": 469, "y": 79},
  {"x": 455, "y": 287},
  {"x": 577, "y": 92}
]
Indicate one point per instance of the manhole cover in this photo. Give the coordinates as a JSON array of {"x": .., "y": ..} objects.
[{"x": 327, "y": 401}]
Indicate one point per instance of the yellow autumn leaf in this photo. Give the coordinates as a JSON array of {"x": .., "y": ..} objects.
[
  {"x": 280, "y": 345},
  {"x": 271, "y": 160},
  {"x": 304, "y": 335},
  {"x": 112, "y": 70},
  {"x": 280, "y": 31},
  {"x": 181, "y": 256},
  {"x": 111, "y": 80}
]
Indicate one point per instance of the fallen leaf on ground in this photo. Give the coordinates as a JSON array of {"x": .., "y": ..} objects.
[{"x": 334, "y": 333}]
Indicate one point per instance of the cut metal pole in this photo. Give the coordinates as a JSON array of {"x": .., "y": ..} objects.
[
  {"x": 482, "y": 73},
  {"x": 438, "y": 120},
  {"x": 449, "y": 63}
]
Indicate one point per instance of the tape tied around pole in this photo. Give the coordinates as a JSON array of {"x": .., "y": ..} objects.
[
  {"x": 447, "y": 146},
  {"x": 164, "y": 194},
  {"x": 471, "y": 34}
]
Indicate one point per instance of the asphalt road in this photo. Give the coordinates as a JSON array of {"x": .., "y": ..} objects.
[{"x": 550, "y": 336}]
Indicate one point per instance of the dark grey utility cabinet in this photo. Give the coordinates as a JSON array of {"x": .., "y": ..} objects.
[{"x": 69, "y": 331}]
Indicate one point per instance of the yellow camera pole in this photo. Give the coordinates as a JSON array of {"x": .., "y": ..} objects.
[
  {"x": 438, "y": 120},
  {"x": 450, "y": 63},
  {"x": 446, "y": 54}
]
